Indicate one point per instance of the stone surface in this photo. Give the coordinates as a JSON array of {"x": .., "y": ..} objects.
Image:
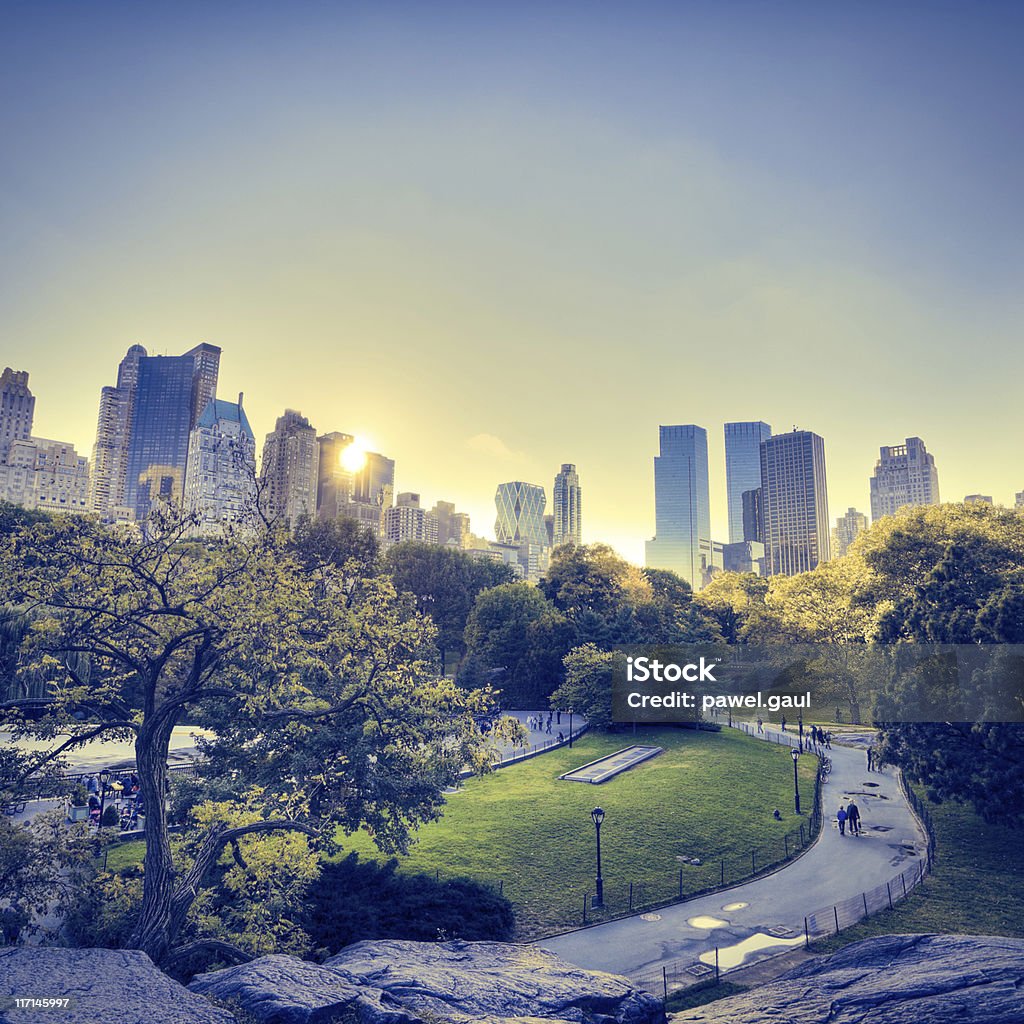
[
  {"x": 106, "y": 986},
  {"x": 893, "y": 979},
  {"x": 492, "y": 981},
  {"x": 283, "y": 990}
]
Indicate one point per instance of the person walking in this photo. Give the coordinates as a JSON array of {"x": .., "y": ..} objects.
[
  {"x": 841, "y": 818},
  {"x": 760, "y": 724},
  {"x": 783, "y": 723},
  {"x": 853, "y": 817},
  {"x": 871, "y": 759}
]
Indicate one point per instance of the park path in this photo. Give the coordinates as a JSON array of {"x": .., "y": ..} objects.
[{"x": 833, "y": 869}]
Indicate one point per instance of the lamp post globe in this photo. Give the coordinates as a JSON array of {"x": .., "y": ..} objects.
[{"x": 598, "y": 816}]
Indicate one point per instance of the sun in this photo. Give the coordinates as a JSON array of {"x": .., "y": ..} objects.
[{"x": 353, "y": 456}]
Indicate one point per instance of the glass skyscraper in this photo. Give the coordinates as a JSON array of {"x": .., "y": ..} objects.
[
  {"x": 682, "y": 508},
  {"x": 171, "y": 393},
  {"x": 742, "y": 470},
  {"x": 794, "y": 502}
]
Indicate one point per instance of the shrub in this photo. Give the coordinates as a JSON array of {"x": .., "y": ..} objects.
[{"x": 353, "y": 900}]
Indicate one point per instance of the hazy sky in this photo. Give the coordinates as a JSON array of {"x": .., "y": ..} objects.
[{"x": 492, "y": 238}]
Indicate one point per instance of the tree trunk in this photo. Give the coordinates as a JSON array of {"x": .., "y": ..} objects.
[{"x": 152, "y": 932}]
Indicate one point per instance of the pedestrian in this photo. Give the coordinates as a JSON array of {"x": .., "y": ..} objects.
[
  {"x": 559, "y": 720},
  {"x": 783, "y": 723},
  {"x": 92, "y": 784},
  {"x": 841, "y": 818},
  {"x": 777, "y": 814},
  {"x": 760, "y": 724},
  {"x": 828, "y": 740},
  {"x": 853, "y": 816},
  {"x": 549, "y": 725},
  {"x": 561, "y": 737},
  {"x": 871, "y": 758}
]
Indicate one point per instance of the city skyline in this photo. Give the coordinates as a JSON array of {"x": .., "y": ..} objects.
[{"x": 494, "y": 241}]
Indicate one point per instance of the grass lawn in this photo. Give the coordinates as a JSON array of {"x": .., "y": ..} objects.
[
  {"x": 709, "y": 795},
  {"x": 977, "y": 887}
]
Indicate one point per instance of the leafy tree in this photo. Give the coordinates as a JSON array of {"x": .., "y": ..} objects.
[
  {"x": 588, "y": 685},
  {"x": 735, "y": 601},
  {"x": 324, "y": 710},
  {"x": 515, "y": 636},
  {"x": 337, "y": 542},
  {"x": 445, "y": 583}
]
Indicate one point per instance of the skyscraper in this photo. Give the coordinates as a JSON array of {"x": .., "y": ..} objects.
[
  {"x": 682, "y": 508},
  {"x": 334, "y": 481},
  {"x": 220, "y": 476},
  {"x": 753, "y": 514},
  {"x": 108, "y": 479},
  {"x": 795, "y": 502},
  {"x": 170, "y": 395},
  {"x": 17, "y": 407},
  {"x": 408, "y": 520},
  {"x": 452, "y": 527},
  {"x": 847, "y": 527},
  {"x": 566, "y": 501},
  {"x": 742, "y": 470},
  {"x": 288, "y": 472},
  {"x": 520, "y": 523},
  {"x": 905, "y": 474}
]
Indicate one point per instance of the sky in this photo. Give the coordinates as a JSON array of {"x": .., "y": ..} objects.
[{"x": 493, "y": 238}]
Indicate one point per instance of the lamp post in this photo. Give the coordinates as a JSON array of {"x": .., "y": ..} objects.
[
  {"x": 598, "y": 815},
  {"x": 796, "y": 781},
  {"x": 570, "y": 728},
  {"x": 801, "y": 720},
  {"x": 104, "y": 779}
]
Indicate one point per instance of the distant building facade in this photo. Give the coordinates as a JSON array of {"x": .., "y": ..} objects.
[
  {"x": 847, "y": 527},
  {"x": 753, "y": 515},
  {"x": 288, "y": 471},
  {"x": 220, "y": 476},
  {"x": 742, "y": 471},
  {"x": 17, "y": 409},
  {"x": 905, "y": 474},
  {"x": 453, "y": 528},
  {"x": 567, "y": 507},
  {"x": 978, "y": 499},
  {"x": 682, "y": 512},
  {"x": 744, "y": 556},
  {"x": 520, "y": 524},
  {"x": 408, "y": 520},
  {"x": 794, "y": 502},
  {"x": 47, "y": 475},
  {"x": 108, "y": 482},
  {"x": 171, "y": 393}
]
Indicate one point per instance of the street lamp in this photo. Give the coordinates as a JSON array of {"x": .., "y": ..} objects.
[
  {"x": 598, "y": 815},
  {"x": 796, "y": 781},
  {"x": 104, "y": 779},
  {"x": 801, "y": 732},
  {"x": 570, "y": 728}
]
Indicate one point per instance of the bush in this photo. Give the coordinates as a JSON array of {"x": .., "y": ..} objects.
[
  {"x": 110, "y": 816},
  {"x": 353, "y": 900}
]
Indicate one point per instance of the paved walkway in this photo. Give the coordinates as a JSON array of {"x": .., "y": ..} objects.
[{"x": 833, "y": 869}]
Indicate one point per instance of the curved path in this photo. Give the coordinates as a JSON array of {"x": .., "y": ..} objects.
[{"x": 833, "y": 869}]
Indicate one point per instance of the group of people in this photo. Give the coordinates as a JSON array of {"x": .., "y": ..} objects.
[
  {"x": 849, "y": 815},
  {"x": 127, "y": 798},
  {"x": 814, "y": 737},
  {"x": 537, "y": 723}
]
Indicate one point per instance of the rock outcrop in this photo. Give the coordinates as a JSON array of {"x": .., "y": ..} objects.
[
  {"x": 396, "y": 982},
  {"x": 893, "y": 979},
  {"x": 104, "y": 986}
]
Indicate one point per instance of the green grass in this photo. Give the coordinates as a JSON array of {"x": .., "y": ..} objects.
[
  {"x": 709, "y": 795},
  {"x": 976, "y": 888},
  {"x": 701, "y": 995}
]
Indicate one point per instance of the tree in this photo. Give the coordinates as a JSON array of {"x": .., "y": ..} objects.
[
  {"x": 588, "y": 685},
  {"x": 516, "y": 635},
  {"x": 324, "y": 709},
  {"x": 735, "y": 601},
  {"x": 445, "y": 583},
  {"x": 337, "y": 542}
]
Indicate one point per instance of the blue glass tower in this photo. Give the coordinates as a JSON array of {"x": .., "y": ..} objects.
[
  {"x": 682, "y": 509},
  {"x": 742, "y": 470}
]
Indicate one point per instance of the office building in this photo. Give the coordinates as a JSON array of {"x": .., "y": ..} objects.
[
  {"x": 453, "y": 528},
  {"x": 744, "y": 556},
  {"x": 905, "y": 474},
  {"x": 109, "y": 471},
  {"x": 794, "y": 502},
  {"x": 567, "y": 507},
  {"x": 753, "y": 516},
  {"x": 17, "y": 408},
  {"x": 46, "y": 475},
  {"x": 847, "y": 527},
  {"x": 978, "y": 499},
  {"x": 289, "y": 470},
  {"x": 220, "y": 475},
  {"x": 334, "y": 481},
  {"x": 682, "y": 512},
  {"x": 520, "y": 523},
  {"x": 742, "y": 470},
  {"x": 170, "y": 394},
  {"x": 408, "y": 520}
]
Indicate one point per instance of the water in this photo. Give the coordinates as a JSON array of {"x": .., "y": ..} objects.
[
  {"x": 705, "y": 921},
  {"x": 733, "y": 956}
]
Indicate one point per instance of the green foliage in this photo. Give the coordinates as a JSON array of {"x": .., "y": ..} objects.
[
  {"x": 317, "y": 685},
  {"x": 588, "y": 685},
  {"x": 339, "y": 543},
  {"x": 353, "y": 900},
  {"x": 445, "y": 583},
  {"x": 516, "y": 634}
]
